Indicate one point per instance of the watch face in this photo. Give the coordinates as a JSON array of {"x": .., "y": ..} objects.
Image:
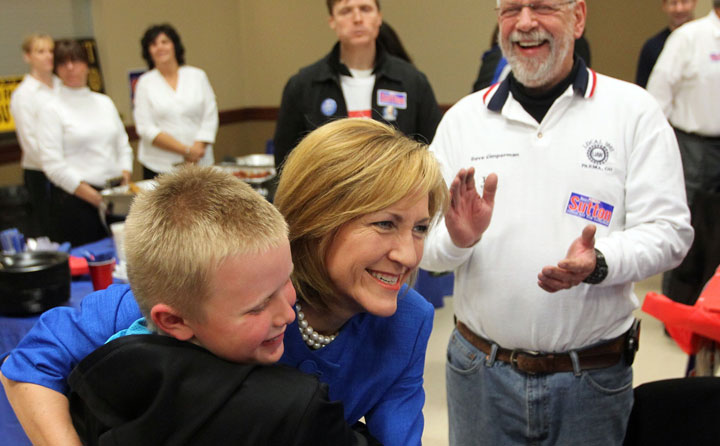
[{"x": 601, "y": 270}]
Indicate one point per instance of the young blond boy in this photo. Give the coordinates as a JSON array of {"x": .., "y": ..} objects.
[{"x": 208, "y": 262}]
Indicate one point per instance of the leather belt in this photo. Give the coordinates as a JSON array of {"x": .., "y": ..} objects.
[{"x": 600, "y": 356}]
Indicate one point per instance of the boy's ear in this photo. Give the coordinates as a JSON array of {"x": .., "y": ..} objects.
[{"x": 169, "y": 320}]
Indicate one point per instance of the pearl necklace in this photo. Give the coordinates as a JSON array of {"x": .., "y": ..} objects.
[{"x": 311, "y": 337}]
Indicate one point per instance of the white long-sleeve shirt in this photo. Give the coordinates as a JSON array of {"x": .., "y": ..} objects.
[
  {"x": 686, "y": 77},
  {"x": 25, "y": 103},
  {"x": 81, "y": 138},
  {"x": 188, "y": 113},
  {"x": 603, "y": 154}
]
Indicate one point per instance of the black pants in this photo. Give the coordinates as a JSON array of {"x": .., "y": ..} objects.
[
  {"x": 701, "y": 166},
  {"x": 74, "y": 220},
  {"x": 38, "y": 188},
  {"x": 688, "y": 280},
  {"x": 149, "y": 174}
]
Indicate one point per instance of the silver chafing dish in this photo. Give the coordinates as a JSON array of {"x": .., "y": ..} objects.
[
  {"x": 258, "y": 170},
  {"x": 118, "y": 199}
]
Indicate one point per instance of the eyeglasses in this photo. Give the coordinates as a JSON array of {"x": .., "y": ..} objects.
[{"x": 514, "y": 9}]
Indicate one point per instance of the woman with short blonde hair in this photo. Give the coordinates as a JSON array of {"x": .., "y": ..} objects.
[
  {"x": 343, "y": 170},
  {"x": 359, "y": 197}
]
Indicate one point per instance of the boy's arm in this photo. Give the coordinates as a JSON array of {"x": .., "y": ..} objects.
[
  {"x": 63, "y": 336},
  {"x": 42, "y": 412},
  {"x": 35, "y": 372}
]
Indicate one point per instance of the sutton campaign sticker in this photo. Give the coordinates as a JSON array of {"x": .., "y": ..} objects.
[
  {"x": 590, "y": 209},
  {"x": 396, "y": 99}
]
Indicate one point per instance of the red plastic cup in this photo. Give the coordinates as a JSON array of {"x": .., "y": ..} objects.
[{"x": 101, "y": 273}]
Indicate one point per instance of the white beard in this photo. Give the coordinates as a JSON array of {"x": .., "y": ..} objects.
[{"x": 534, "y": 72}]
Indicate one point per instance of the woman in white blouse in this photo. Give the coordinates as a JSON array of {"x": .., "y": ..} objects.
[
  {"x": 82, "y": 144},
  {"x": 175, "y": 110}
]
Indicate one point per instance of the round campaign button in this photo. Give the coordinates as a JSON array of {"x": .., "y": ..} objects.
[{"x": 328, "y": 107}]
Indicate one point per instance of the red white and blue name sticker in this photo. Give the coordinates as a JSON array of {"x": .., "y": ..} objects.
[
  {"x": 715, "y": 57},
  {"x": 397, "y": 99},
  {"x": 590, "y": 209}
]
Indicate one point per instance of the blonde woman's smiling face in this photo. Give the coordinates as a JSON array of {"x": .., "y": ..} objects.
[{"x": 371, "y": 257}]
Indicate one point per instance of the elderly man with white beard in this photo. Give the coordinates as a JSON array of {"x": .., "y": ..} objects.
[{"x": 582, "y": 178}]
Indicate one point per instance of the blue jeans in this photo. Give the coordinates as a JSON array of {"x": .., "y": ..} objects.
[{"x": 490, "y": 403}]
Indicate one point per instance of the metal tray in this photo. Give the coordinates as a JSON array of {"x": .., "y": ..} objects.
[{"x": 118, "y": 199}]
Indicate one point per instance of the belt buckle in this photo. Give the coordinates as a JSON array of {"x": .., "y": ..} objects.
[{"x": 514, "y": 359}]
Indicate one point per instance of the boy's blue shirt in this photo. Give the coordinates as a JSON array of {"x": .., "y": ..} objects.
[
  {"x": 139, "y": 327},
  {"x": 375, "y": 365}
]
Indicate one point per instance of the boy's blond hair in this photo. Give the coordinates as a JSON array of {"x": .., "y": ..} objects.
[
  {"x": 177, "y": 235},
  {"x": 29, "y": 41},
  {"x": 341, "y": 171}
]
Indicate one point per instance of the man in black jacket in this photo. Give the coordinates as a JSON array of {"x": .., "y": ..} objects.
[{"x": 358, "y": 78}]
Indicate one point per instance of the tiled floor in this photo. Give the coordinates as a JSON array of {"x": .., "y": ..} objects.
[{"x": 658, "y": 358}]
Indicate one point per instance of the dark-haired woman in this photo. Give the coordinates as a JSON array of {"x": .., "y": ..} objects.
[
  {"x": 175, "y": 110},
  {"x": 82, "y": 144}
]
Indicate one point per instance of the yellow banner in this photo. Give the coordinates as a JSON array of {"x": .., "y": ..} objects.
[{"x": 7, "y": 85}]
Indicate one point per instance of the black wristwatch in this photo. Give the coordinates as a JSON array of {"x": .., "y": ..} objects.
[{"x": 601, "y": 270}]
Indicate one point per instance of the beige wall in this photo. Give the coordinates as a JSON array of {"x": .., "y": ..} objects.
[
  {"x": 209, "y": 31},
  {"x": 617, "y": 30},
  {"x": 249, "y": 48},
  {"x": 301, "y": 35}
]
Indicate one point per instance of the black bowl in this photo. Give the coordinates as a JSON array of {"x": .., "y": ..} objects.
[{"x": 32, "y": 282}]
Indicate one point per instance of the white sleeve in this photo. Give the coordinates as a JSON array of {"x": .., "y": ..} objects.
[
  {"x": 50, "y": 145},
  {"x": 145, "y": 125},
  {"x": 122, "y": 144},
  {"x": 668, "y": 71},
  {"x": 440, "y": 253},
  {"x": 209, "y": 126},
  {"x": 23, "y": 108},
  {"x": 657, "y": 232}
]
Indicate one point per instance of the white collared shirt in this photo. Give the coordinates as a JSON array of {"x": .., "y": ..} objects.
[
  {"x": 603, "y": 154},
  {"x": 189, "y": 113},
  {"x": 81, "y": 138},
  {"x": 25, "y": 103},
  {"x": 686, "y": 77}
]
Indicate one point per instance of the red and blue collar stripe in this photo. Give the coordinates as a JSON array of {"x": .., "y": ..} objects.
[{"x": 583, "y": 85}]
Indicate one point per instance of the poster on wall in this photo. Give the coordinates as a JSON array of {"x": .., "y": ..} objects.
[
  {"x": 95, "y": 78},
  {"x": 133, "y": 76},
  {"x": 7, "y": 86}
]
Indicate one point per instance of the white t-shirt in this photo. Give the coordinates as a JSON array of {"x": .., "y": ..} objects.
[{"x": 357, "y": 91}]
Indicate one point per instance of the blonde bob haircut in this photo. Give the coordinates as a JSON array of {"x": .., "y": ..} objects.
[
  {"x": 341, "y": 171},
  {"x": 177, "y": 235}
]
